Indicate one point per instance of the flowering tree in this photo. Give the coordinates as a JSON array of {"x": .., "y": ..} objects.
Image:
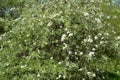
[{"x": 75, "y": 39}]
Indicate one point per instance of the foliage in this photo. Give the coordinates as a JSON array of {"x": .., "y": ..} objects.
[
  {"x": 64, "y": 40},
  {"x": 11, "y": 8}
]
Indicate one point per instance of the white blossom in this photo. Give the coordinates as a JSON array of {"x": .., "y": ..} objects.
[
  {"x": 2, "y": 20},
  {"x": 12, "y": 8},
  {"x": 61, "y": 26},
  {"x": 94, "y": 75},
  {"x": 51, "y": 57},
  {"x": 23, "y": 66},
  {"x": 80, "y": 69},
  {"x": 65, "y": 45},
  {"x": 89, "y": 36},
  {"x": 69, "y": 52},
  {"x": 67, "y": 63},
  {"x": 118, "y": 38},
  {"x": 30, "y": 68},
  {"x": 86, "y": 13},
  {"x": 118, "y": 71},
  {"x": 38, "y": 75},
  {"x": 99, "y": 34},
  {"x": 7, "y": 64},
  {"x": 63, "y": 37},
  {"x": 3, "y": 34},
  {"x": 98, "y": 20},
  {"x": 91, "y": 74},
  {"x": 107, "y": 34},
  {"x": 8, "y": 41},
  {"x": 54, "y": 66},
  {"x": 59, "y": 76},
  {"x": 49, "y": 24},
  {"x": 88, "y": 73},
  {"x": 76, "y": 58},
  {"x": 93, "y": 49},
  {"x": 71, "y": 34},
  {"x": 75, "y": 53},
  {"x": 83, "y": 79},
  {"x": 85, "y": 40},
  {"x": 91, "y": 0},
  {"x": 95, "y": 37},
  {"x": 66, "y": 29},
  {"x": 64, "y": 76},
  {"x": 59, "y": 62},
  {"x": 91, "y": 54},
  {"x": 101, "y": 42},
  {"x": 55, "y": 15},
  {"x": 108, "y": 17},
  {"x": 90, "y": 40},
  {"x": 96, "y": 46},
  {"x": 81, "y": 53}
]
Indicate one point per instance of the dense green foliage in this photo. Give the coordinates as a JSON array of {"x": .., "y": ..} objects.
[
  {"x": 11, "y": 8},
  {"x": 64, "y": 40}
]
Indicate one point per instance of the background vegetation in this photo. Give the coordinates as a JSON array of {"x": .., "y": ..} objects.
[{"x": 59, "y": 39}]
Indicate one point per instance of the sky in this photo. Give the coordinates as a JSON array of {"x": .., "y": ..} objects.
[{"x": 117, "y": 1}]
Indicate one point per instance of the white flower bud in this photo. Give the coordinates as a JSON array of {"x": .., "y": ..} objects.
[{"x": 63, "y": 37}]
